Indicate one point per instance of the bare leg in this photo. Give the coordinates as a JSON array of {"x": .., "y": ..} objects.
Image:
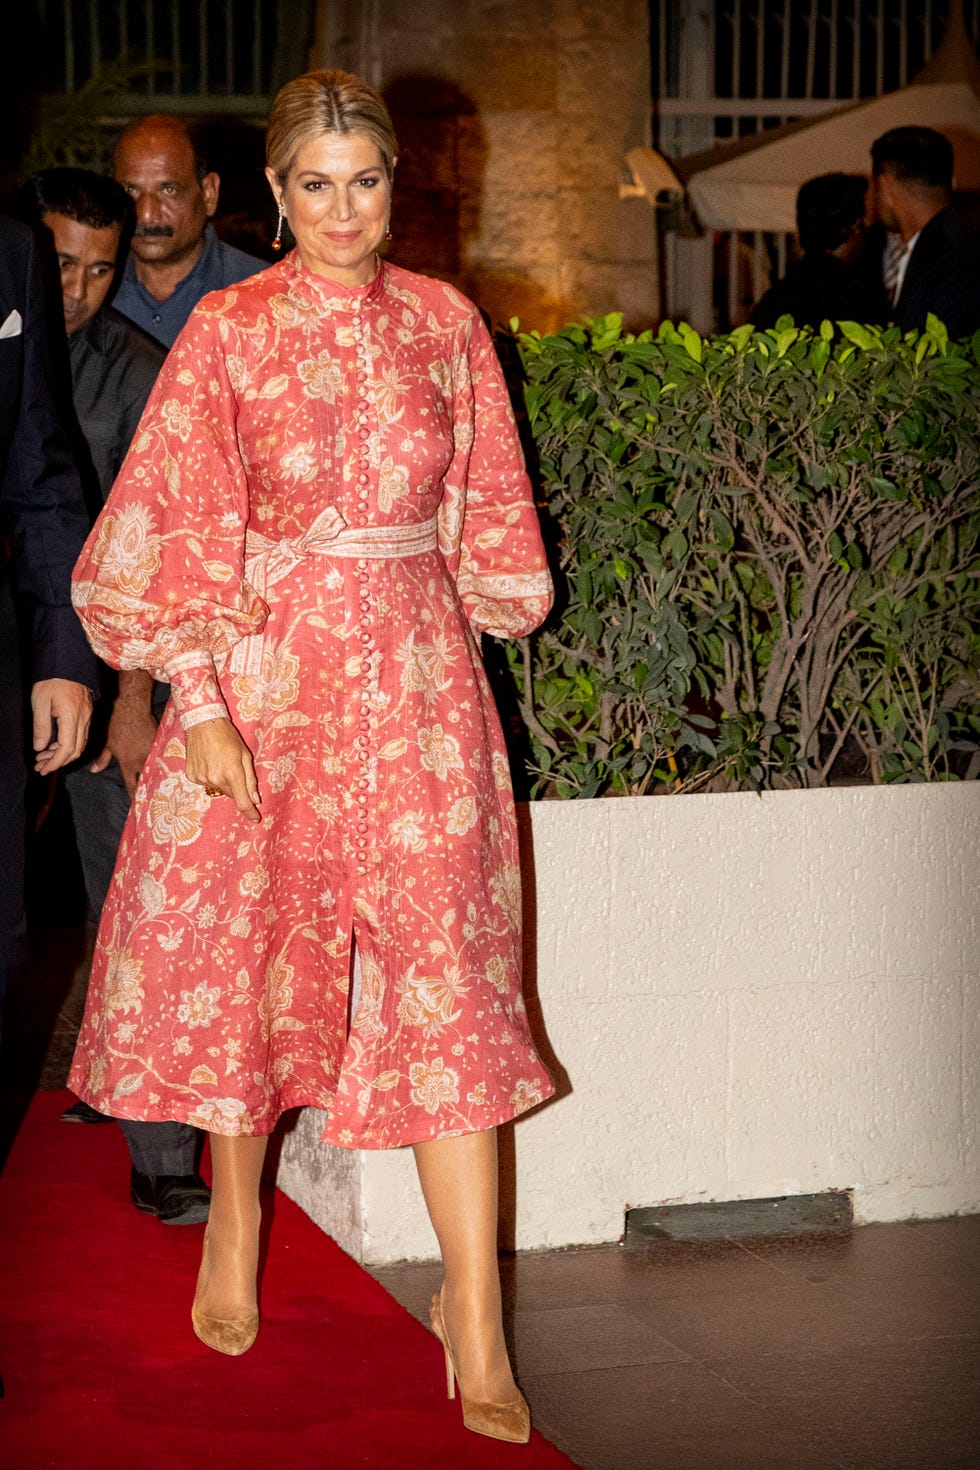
[
  {"x": 227, "y": 1286},
  {"x": 459, "y": 1183}
]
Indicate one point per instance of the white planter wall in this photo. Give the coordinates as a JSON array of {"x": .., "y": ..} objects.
[{"x": 749, "y": 996}]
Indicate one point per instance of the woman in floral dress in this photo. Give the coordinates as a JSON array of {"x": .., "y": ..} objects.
[{"x": 317, "y": 899}]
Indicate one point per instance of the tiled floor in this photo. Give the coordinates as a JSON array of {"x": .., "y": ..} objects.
[{"x": 857, "y": 1350}]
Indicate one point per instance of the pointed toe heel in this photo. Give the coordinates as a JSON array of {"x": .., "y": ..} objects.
[
  {"x": 510, "y": 1421},
  {"x": 225, "y": 1335},
  {"x": 231, "y": 1335}
]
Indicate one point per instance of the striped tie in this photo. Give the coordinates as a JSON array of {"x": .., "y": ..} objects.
[{"x": 891, "y": 260}]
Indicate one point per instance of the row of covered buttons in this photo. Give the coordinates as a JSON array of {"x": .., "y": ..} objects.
[
  {"x": 362, "y": 741},
  {"x": 363, "y": 416}
]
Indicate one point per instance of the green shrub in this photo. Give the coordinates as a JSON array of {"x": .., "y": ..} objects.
[{"x": 768, "y": 548}]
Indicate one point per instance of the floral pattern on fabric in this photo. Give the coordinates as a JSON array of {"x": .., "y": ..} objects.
[{"x": 324, "y": 506}]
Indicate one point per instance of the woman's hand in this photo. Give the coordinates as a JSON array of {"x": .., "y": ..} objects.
[{"x": 217, "y": 756}]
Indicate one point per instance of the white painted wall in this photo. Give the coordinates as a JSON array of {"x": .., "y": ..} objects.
[{"x": 750, "y": 996}]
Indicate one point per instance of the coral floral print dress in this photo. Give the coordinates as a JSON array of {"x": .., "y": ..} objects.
[{"x": 324, "y": 506}]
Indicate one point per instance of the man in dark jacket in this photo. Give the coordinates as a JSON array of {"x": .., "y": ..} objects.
[
  {"x": 828, "y": 283},
  {"x": 44, "y": 524},
  {"x": 174, "y": 258},
  {"x": 113, "y": 368},
  {"x": 940, "y": 269}
]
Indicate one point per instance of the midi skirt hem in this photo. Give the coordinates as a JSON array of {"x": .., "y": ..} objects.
[{"x": 340, "y": 1137}]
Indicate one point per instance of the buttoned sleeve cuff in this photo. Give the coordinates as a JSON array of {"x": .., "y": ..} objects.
[{"x": 195, "y": 689}]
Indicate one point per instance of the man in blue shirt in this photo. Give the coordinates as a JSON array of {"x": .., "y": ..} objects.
[
  {"x": 175, "y": 257},
  {"x": 113, "y": 367}
]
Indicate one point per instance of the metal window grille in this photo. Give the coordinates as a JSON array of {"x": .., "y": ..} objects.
[
  {"x": 206, "y": 55},
  {"x": 724, "y": 68}
]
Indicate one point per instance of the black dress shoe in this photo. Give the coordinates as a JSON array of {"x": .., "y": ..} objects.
[
  {"x": 175, "y": 1199},
  {"x": 80, "y": 1112}
]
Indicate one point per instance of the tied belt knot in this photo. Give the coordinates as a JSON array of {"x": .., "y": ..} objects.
[{"x": 268, "y": 561}]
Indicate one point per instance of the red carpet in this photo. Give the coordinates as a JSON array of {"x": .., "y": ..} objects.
[{"x": 102, "y": 1370}]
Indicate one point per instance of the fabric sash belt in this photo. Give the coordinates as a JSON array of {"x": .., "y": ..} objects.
[{"x": 268, "y": 562}]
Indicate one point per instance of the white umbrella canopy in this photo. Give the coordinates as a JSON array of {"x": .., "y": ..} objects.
[
  {"x": 751, "y": 184},
  {"x": 757, "y": 190}
]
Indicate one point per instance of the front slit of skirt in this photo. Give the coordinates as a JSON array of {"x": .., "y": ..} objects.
[{"x": 354, "y": 981}]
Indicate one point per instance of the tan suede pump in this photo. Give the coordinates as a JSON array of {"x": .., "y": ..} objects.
[
  {"x": 231, "y": 1335},
  {"x": 510, "y": 1421}
]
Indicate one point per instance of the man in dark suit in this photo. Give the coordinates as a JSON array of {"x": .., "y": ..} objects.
[
  {"x": 940, "y": 271},
  {"x": 44, "y": 524},
  {"x": 113, "y": 367}
]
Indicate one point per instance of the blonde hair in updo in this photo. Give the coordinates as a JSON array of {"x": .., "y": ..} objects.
[{"x": 326, "y": 102}]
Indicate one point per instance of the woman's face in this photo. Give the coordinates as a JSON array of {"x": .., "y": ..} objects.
[{"x": 337, "y": 199}]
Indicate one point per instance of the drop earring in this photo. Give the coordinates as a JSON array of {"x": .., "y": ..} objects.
[{"x": 277, "y": 242}]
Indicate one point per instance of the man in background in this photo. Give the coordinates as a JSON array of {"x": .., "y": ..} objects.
[
  {"x": 175, "y": 256},
  {"x": 44, "y": 523},
  {"x": 113, "y": 367},
  {"x": 828, "y": 283},
  {"x": 939, "y": 270}
]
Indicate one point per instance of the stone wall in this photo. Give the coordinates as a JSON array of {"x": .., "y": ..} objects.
[
  {"x": 740, "y": 997},
  {"x": 513, "y": 118}
]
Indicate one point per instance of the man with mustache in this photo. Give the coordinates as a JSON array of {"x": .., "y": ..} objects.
[
  {"x": 175, "y": 256},
  {"x": 113, "y": 367}
]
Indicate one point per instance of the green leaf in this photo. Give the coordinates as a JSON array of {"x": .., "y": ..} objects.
[
  {"x": 785, "y": 340},
  {"x": 724, "y": 532},
  {"x": 819, "y": 354},
  {"x": 936, "y": 329},
  {"x": 740, "y": 336},
  {"x": 675, "y": 544},
  {"x": 693, "y": 345},
  {"x": 861, "y": 336},
  {"x": 925, "y": 347}
]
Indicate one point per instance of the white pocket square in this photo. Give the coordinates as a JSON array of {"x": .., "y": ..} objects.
[{"x": 13, "y": 326}]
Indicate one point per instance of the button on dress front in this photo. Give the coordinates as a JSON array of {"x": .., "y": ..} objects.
[{"x": 324, "y": 506}]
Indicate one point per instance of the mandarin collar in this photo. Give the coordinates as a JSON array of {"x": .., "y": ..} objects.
[{"x": 311, "y": 289}]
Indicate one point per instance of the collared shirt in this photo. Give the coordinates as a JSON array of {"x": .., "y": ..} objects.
[
  {"x": 113, "y": 367},
  {"x": 903, "y": 265},
  {"x": 217, "y": 266}
]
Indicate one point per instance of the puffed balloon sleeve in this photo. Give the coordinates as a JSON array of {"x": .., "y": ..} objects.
[
  {"x": 160, "y": 582},
  {"x": 488, "y": 525}
]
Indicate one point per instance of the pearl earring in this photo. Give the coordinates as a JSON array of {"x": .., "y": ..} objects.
[{"x": 277, "y": 242}]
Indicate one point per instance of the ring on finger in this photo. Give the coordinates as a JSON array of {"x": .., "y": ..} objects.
[{"x": 213, "y": 791}]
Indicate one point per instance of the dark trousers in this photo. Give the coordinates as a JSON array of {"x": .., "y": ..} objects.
[
  {"x": 13, "y": 783},
  {"x": 12, "y": 924},
  {"x": 99, "y": 807}
]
